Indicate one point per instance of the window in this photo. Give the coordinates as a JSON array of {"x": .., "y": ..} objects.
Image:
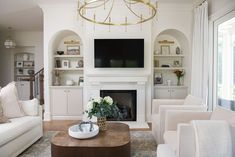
[{"x": 225, "y": 61}]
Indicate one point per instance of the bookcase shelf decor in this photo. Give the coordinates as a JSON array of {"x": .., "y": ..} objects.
[
  {"x": 68, "y": 61},
  {"x": 170, "y": 54}
]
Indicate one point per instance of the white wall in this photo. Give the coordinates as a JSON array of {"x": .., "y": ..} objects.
[
  {"x": 176, "y": 16},
  {"x": 58, "y": 17},
  {"x": 22, "y": 38},
  {"x": 216, "y": 6}
]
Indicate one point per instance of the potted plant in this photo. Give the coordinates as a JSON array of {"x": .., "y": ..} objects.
[
  {"x": 103, "y": 108},
  {"x": 179, "y": 74}
]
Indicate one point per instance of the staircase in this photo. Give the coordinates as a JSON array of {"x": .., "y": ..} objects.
[{"x": 37, "y": 86}]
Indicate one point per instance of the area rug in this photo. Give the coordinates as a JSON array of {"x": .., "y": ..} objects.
[{"x": 142, "y": 145}]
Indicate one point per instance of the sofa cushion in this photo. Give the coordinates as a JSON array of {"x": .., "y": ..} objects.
[
  {"x": 30, "y": 107},
  {"x": 192, "y": 100},
  {"x": 3, "y": 119},
  {"x": 10, "y": 102},
  {"x": 221, "y": 113},
  {"x": 17, "y": 127},
  {"x": 170, "y": 138}
]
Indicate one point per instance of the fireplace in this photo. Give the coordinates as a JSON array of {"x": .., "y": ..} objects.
[{"x": 126, "y": 101}]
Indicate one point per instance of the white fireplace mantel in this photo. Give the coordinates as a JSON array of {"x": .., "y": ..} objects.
[
  {"x": 110, "y": 79},
  {"x": 138, "y": 83}
]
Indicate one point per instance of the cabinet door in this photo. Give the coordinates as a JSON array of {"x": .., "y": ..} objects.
[
  {"x": 162, "y": 93},
  {"x": 59, "y": 102},
  {"x": 179, "y": 93},
  {"x": 75, "y": 102},
  {"x": 23, "y": 89}
]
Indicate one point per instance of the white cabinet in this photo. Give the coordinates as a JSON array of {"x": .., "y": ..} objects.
[
  {"x": 23, "y": 89},
  {"x": 171, "y": 92},
  {"x": 67, "y": 103}
]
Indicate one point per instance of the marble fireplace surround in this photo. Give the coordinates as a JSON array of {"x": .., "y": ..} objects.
[{"x": 97, "y": 83}]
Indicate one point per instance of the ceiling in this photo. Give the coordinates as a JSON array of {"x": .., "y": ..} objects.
[
  {"x": 21, "y": 15},
  {"x": 25, "y": 15}
]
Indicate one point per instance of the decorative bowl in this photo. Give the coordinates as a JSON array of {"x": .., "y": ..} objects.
[
  {"x": 60, "y": 52},
  {"x": 83, "y": 131}
]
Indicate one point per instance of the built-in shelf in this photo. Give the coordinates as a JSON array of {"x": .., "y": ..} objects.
[
  {"x": 160, "y": 55},
  {"x": 68, "y": 56},
  {"x": 64, "y": 86},
  {"x": 24, "y": 67},
  {"x": 22, "y": 75},
  {"x": 165, "y": 86},
  {"x": 169, "y": 68},
  {"x": 69, "y": 69}
]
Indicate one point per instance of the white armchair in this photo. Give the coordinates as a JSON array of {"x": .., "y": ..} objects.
[
  {"x": 189, "y": 145},
  {"x": 160, "y": 106},
  {"x": 179, "y": 135}
]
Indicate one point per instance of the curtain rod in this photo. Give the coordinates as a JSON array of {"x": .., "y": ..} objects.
[{"x": 202, "y": 2}]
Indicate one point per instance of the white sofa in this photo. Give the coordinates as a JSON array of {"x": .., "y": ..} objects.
[
  {"x": 161, "y": 106},
  {"x": 21, "y": 132}
]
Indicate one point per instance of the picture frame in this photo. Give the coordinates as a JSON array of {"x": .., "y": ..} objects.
[
  {"x": 65, "y": 63},
  {"x": 28, "y": 63},
  {"x": 165, "y": 49},
  {"x": 19, "y": 64},
  {"x": 176, "y": 63},
  {"x": 158, "y": 79},
  {"x": 73, "y": 49},
  {"x": 20, "y": 72}
]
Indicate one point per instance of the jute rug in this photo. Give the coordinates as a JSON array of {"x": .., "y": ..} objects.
[{"x": 142, "y": 145}]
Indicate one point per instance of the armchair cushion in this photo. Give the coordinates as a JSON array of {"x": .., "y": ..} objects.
[
  {"x": 174, "y": 117},
  {"x": 212, "y": 138},
  {"x": 170, "y": 137},
  {"x": 221, "y": 113},
  {"x": 192, "y": 100},
  {"x": 164, "y": 150},
  {"x": 10, "y": 102},
  {"x": 30, "y": 107}
]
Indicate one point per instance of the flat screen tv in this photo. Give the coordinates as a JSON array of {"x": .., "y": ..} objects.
[{"x": 119, "y": 53}]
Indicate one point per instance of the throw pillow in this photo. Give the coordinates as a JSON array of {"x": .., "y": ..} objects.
[
  {"x": 10, "y": 103},
  {"x": 3, "y": 119},
  {"x": 192, "y": 100},
  {"x": 221, "y": 113}
]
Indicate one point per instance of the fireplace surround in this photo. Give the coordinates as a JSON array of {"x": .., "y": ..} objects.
[
  {"x": 96, "y": 84},
  {"x": 126, "y": 102}
]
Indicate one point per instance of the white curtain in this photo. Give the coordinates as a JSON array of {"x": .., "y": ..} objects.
[{"x": 200, "y": 53}]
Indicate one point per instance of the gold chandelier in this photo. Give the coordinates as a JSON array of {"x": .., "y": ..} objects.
[{"x": 117, "y": 12}]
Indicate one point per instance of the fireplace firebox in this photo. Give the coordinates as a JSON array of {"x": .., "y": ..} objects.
[{"x": 126, "y": 101}]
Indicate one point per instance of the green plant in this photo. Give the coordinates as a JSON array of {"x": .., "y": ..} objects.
[{"x": 103, "y": 107}]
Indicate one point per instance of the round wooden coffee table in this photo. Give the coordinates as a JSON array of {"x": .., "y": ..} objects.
[{"x": 114, "y": 142}]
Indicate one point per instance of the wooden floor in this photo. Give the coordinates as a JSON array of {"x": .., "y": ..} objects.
[{"x": 62, "y": 125}]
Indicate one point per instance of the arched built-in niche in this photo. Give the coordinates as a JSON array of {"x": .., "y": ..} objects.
[
  {"x": 57, "y": 43},
  {"x": 166, "y": 62},
  {"x": 68, "y": 86}
]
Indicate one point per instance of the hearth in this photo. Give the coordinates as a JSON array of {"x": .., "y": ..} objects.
[{"x": 126, "y": 101}]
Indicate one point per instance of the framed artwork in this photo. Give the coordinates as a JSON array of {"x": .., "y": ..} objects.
[
  {"x": 176, "y": 63},
  {"x": 158, "y": 79},
  {"x": 73, "y": 50},
  {"x": 19, "y": 72},
  {"x": 19, "y": 64},
  {"x": 65, "y": 63},
  {"x": 28, "y": 63},
  {"x": 165, "y": 49}
]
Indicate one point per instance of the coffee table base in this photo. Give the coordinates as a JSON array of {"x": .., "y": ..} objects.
[{"x": 122, "y": 151}]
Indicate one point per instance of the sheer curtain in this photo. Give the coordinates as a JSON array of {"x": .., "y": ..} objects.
[{"x": 200, "y": 56}]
